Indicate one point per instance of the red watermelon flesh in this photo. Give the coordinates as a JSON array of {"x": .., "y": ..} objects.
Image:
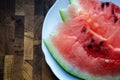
[
  {"x": 104, "y": 14},
  {"x": 91, "y": 40}
]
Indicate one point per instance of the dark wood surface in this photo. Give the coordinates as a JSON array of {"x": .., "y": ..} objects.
[{"x": 21, "y": 57}]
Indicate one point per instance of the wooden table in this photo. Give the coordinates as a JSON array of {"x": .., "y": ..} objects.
[{"x": 21, "y": 57}]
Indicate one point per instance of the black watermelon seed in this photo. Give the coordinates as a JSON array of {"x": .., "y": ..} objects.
[
  {"x": 107, "y": 4},
  {"x": 102, "y": 5},
  {"x": 115, "y": 20},
  {"x": 101, "y": 43},
  {"x": 89, "y": 46}
]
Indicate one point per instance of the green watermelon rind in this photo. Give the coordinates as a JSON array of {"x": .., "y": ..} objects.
[
  {"x": 64, "y": 65},
  {"x": 69, "y": 68},
  {"x": 58, "y": 58},
  {"x": 65, "y": 15},
  {"x": 72, "y": 1},
  {"x": 63, "y": 12}
]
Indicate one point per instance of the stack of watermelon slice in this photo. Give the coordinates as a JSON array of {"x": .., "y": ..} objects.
[{"x": 87, "y": 43}]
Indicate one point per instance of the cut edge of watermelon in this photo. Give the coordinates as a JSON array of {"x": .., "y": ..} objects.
[
  {"x": 55, "y": 54},
  {"x": 64, "y": 13},
  {"x": 75, "y": 2},
  {"x": 69, "y": 68},
  {"x": 71, "y": 1},
  {"x": 64, "y": 65}
]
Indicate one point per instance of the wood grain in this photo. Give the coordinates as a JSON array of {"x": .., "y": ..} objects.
[
  {"x": 8, "y": 67},
  {"x": 19, "y": 7},
  {"x": 19, "y": 35},
  {"x": 13, "y": 67},
  {"x": 21, "y": 56},
  {"x": 28, "y": 46},
  {"x": 18, "y": 68},
  {"x": 10, "y": 28},
  {"x": 27, "y": 71}
]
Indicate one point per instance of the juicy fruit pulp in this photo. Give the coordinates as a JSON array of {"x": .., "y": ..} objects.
[{"x": 90, "y": 40}]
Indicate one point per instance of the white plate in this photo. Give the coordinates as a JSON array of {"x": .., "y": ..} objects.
[{"x": 50, "y": 22}]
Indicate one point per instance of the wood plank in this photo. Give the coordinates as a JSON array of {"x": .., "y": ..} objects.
[
  {"x": 13, "y": 67},
  {"x": 7, "y": 7},
  {"x": 38, "y": 7},
  {"x": 37, "y": 63},
  {"x": 37, "y": 28},
  {"x": 28, "y": 46},
  {"x": 19, "y": 7},
  {"x": 18, "y": 68},
  {"x": 10, "y": 7},
  {"x": 10, "y": 36},
  {"x": 29, "y": 18},
  {"x": 19, "y": 35},
  {"x": 27, "y": 71},
  {"x": 19, "y": 26},
  {"x": 8, "y": 67}
]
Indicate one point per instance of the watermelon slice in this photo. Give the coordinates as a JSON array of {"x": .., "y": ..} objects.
[{"x": 87, "y": 45}]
